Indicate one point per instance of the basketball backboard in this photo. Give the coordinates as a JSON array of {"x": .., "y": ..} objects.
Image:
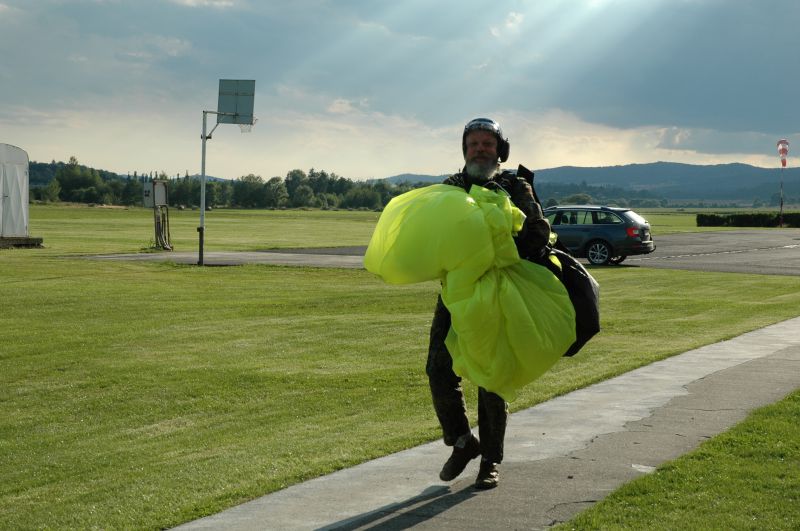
[{"x": 235, "y": 104}]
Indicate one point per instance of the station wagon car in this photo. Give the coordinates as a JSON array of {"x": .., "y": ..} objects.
[{"x": 601, "y": 234}]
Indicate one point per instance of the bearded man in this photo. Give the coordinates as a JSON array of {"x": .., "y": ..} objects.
[{"x": 484, "y": 148}]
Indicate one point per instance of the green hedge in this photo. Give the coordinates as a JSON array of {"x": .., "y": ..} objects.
[{"x": 763, "y": 219}]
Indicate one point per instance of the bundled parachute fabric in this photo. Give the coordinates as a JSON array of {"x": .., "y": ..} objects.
[
  {"x": 429, "y": 232},
  {"x": 516, "y": 325},
  {"x": 511, "y": 320}
]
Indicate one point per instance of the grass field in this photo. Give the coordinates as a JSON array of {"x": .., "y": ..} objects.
[
  {"x": 83, "y": 230},
  {"x": 138, "y": 395},
  {"x": 671, "y": 221}
]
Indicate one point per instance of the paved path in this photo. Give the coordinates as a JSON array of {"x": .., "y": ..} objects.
[
  {"x": 769, "y": 252},
  {"x": 230, "y": 258},
  {"x": 561, "y": 456}
]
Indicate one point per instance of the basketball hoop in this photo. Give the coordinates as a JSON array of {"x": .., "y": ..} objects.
[
  {"x": 234, "y": 106},
  {"x": 246, "y": 128}
]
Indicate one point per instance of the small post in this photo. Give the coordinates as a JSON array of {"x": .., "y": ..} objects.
[{"x": 200, "y": 255}]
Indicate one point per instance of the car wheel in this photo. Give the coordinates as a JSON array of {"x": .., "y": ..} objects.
[
  {"x": 617, "y": 260},
  {"x": 598, "y": 252}
]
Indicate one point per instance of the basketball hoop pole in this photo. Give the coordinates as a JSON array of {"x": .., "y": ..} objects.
[
  {"x": 202, "y": 228},
  {"x": 235, "y": 106}
]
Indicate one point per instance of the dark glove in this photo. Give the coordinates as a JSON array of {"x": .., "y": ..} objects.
[
  {"x": 535, "y": 234},
  {"x": 521, "y": 194}
]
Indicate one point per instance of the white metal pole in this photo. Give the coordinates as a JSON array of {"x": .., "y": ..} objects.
[
  {"x": 201, "y": 229},
  {"x": 780, "y": 216}
]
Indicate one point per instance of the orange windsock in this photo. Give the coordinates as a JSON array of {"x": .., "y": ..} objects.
[{"x": 783, "y": 150}]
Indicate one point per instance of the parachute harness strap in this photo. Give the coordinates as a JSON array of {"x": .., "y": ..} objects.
[
  {"x": 553, "y": 258},
  {"x": 497, "y": 187}
]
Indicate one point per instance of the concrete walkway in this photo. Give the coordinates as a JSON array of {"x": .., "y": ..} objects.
[{"x": 561, "y": 456}]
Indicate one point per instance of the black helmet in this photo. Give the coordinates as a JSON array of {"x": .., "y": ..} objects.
[{"x": 487, "y": 124}]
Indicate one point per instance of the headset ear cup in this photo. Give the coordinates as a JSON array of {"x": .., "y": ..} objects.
[{"x": 503, "y": 149}]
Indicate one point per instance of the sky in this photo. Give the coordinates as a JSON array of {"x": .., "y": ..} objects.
[{"x": 375, "y": 88}]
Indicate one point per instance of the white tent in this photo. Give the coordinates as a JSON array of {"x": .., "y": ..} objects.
[{"x": 13, "y": 192}]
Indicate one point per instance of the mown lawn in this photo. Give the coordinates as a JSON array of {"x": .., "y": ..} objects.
[
  {"x": 78, "y": 229},
  {"x": 144, "y": 395}
]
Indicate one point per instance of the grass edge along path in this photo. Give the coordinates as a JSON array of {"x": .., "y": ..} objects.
[{"x": 745, "y": 478}]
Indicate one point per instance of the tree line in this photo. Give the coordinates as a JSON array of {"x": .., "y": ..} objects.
[{"x": 74, "y": 182}]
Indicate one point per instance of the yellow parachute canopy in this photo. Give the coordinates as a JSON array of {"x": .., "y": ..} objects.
[{"x": 511, "y": 319}]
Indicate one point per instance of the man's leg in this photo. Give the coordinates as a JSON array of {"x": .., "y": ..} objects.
[
  {"x": 448, "y": 398},
  {"x": 492, "y": 420}
]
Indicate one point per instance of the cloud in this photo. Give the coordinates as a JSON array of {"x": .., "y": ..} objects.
[
  {"x": 511, "y": 25},
  {"x": 171, "y": 46},
  {"x": 354, "y": 145},
  {"x": 343, "y": 106},
  {"x": 709, "y": 141},
  {"x": 368, "y": 88},
  {"x": 220, "y": 4},
  {"x": 8, "y": 11},
  {"x": 704, "y": 64},
  {"x": 561, "y": 138},
  {"x": 148, "y": 50}
]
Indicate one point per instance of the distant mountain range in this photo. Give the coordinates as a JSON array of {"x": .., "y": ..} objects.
[
  {"x": 668, "y": 180},
  {"x": 663, "y": 180}
]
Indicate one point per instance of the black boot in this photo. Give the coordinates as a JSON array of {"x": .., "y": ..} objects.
[
  {"x": 488, "y": 476},
  {"x": 462, "y": 454}
]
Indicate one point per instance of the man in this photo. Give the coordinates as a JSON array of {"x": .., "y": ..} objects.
[{"x": 484, "y": 148}]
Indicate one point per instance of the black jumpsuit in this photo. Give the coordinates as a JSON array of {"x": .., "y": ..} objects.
[{"x": 448, "y": 397}]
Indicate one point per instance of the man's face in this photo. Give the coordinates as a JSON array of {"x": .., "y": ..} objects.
[
  {"x": 481, "y": 155},
  {"x": 481, "y": 148}
]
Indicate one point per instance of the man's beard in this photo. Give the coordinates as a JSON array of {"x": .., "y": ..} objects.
[{"x": 482, "y": 171}]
